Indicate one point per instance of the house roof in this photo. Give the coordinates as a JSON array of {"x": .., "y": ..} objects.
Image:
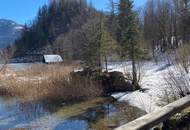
[{"x": 53, "y": 58}]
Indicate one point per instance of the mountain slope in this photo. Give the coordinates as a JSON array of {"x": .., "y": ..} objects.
[
  {"x": 57, "y": 19},
  {"x": 9, "y": 32}
]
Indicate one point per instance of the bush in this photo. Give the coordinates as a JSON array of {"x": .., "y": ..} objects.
[
  {"x": 183, "y": 57},
  {"x": 177, "y": 78}
]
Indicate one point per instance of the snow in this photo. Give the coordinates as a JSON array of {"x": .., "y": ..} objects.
[
  {"x": 153, "y": 84},
  {"x": 53, "y": 58},
  {"x": 138, "y": 99}
]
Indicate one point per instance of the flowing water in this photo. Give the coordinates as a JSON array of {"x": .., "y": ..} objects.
[{"x": 98, "y": 114}]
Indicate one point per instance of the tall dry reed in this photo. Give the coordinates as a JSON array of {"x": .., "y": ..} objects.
[{"x": 52, "y": 83}]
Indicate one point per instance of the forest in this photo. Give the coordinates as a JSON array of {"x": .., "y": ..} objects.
[{"x": 63, "y": 25}]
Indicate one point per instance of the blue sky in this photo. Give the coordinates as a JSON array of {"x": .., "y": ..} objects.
[{"x": 23, "y": 11}]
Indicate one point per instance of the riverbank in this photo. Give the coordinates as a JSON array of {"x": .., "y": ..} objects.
[{"x": 51, "y": 83}]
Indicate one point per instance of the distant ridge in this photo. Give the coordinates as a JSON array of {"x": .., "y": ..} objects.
[{"x": 9, "y": 32}]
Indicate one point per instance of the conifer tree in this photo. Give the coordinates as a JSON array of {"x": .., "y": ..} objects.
[
  {"x": 128, "y": 35},
  {"x": 107, "y": 43},
  {"x": 99, "y": 43},
  {"x": 91, "y": 47}
]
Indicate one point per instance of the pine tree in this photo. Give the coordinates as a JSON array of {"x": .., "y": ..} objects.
[
  {"x": 128, "y": 35},
  {"x": 112, "y": 19},
  {"x": 91, "y": 47},
  {"x": 99, "y": 43},
  {"x": 107, "y": 43}
]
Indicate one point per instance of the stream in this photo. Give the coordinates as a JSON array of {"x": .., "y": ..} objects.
[{"x": 98, "y": 114}]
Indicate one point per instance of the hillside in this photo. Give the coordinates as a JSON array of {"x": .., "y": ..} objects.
[
  {"x": 9, "y": 32},
  {"x": 54, "y": 22}
]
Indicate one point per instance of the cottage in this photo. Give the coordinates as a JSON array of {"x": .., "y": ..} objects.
[{"x": 52, "y": 59}]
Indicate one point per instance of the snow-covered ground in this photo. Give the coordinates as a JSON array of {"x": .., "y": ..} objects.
[{"x": 152, "y": 82}]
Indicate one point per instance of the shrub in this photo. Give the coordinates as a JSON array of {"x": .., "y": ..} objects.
[{"x": 183, "y": 57}]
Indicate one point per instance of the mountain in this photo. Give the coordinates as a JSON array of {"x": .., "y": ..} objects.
[{"x": 9, "y": 32}]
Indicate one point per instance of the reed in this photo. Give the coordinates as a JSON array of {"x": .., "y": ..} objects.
[{"x": 51, "y": 83}]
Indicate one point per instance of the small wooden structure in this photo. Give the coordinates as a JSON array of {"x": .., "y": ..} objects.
[
  {"x": 52, "y": 59},
  {"x": 150, "y": 120}
]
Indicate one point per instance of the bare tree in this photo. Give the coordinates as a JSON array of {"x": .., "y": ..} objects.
[
  {"x": 5, "y": 56},
  {"x": 166, "y": 23}
]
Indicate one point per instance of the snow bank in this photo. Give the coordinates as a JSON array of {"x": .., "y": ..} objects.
[{"x": 152, "y": 82}]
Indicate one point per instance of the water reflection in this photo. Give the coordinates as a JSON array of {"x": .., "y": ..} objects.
[
  {"x": 40, "y": 116},
  {"x": 101, "y": 115},
  {"x": 14, "y": 114}
]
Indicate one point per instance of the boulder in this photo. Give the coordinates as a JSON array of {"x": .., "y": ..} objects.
[
  {"x": 110, "y": 81},
  {"x": 115, "y": 82},
  {"x": 119, "y": 83}
]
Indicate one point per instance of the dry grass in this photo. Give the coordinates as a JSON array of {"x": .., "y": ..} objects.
[{"x": 52, "y": 83}]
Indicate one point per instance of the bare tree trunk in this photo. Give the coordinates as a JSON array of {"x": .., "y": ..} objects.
[
  {"x": 135, "y": 81},
  {"x": 106, "y": 63},
  {"x": 134, "y": 69}
]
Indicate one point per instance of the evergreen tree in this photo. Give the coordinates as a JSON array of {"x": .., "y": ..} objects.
[
  {"x": 112, "y": 19},
  {"x": 91, "y": 47},
  {"x": 99, "y": 43},
  {"x": 107, "y": 43},
  {"x": 128, "y": 35}
]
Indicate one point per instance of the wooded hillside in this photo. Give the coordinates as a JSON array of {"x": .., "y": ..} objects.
[{"x": 54, "y": 21}]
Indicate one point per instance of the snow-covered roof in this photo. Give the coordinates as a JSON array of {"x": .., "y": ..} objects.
[{"x": 52, "y": 58}]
